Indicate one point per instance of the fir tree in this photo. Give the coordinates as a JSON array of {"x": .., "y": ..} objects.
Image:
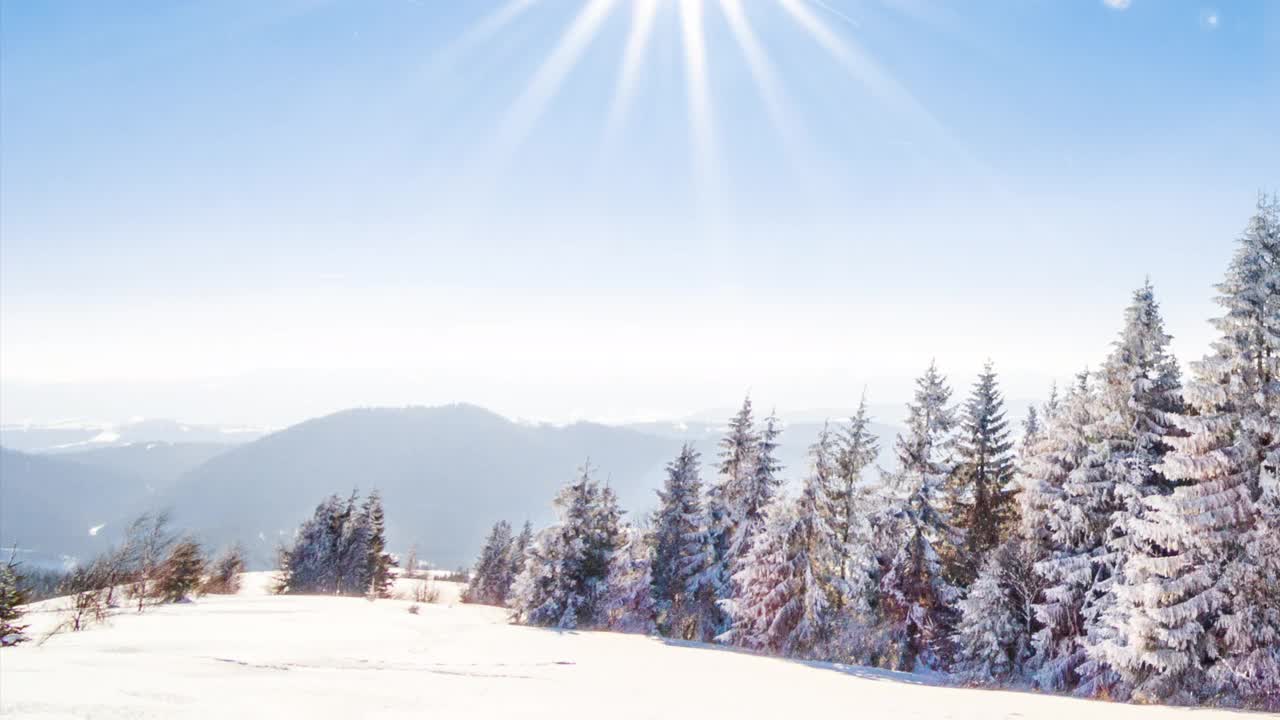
[
  {"x": 987, "y": 630},
  {"x": 1140, "y": 392},
  {"x": 916, "y": 598},
  {"x": 980, "y": 492},
  {"x": 491, "y": 579},
  {"x": 567, "y": 563},
  {"x": 1215, "y": 597},
  {"x": 852, "y": 505},
  {"x": 12, "y": 598},
  {"x": 683, "y": 554},
  {"x": 519, "y": 547},
  {"x": 1075, "y": 513},
  {"x": 788, "y": 593},
  {"x": 376, "y": 577},
  {"x": 627, "y": 603},
  {"x": 728, "y": 525}
]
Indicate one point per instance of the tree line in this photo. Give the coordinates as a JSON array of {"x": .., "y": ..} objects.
[{"x": 1125, "y": 545}]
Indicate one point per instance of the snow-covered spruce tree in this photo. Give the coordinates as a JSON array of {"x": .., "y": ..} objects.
[
  {"x": 1075, "y": 514},
  {"x": 491, "y": 578},
  {"x": 987, "y": 630},
  {"x": 916, "y": 600},
  {"x": 330, "y": 553},
  {"x": 853, "y": 505},
  {"x": 980, "y": 492},
  {"x": 607, "y": 536},
  {"x": 567, "y": 563},
  {"x": 787, "y": 592},
  {"x": 683, "y": 554},
  {"x": 351, "y": 538},
  {"x": 376, "y": 578},
  {"x": 727, "y": 523},
  {"x": 1140, "y": 391},
  {"x": 306, "y": 566},
  {"x": 519, "y": 547},
  {"x": 12, "y": 598},
  {"x": 1214, "y": 605},
  {"x": 626, "y": 601}
]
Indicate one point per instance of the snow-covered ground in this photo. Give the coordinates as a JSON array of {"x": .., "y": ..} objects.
[{"x": 257, "y": 655}]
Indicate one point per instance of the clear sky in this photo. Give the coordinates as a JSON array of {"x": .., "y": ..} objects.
[{"x": 255, "y": 211}]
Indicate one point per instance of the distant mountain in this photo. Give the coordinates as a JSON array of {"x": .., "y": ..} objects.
[
  {"x": 49, "y": 506},
  {"x": 446, "y": 474},
  {"x": 72, "y": 437},
  {"x": 157, "y": 464}
]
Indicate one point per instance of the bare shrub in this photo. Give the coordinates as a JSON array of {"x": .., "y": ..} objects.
[{"x": 426, "y": 592}]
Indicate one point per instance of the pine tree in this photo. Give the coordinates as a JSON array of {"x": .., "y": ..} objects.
[
  {"x": 683, "y": 554},
  {"x": 376, "y": 577},
  {"x": 1075, "y": 516},
  {"x": 1140, "y": 392},
  {"x": 519, "y": 548},
  {"x": 916, "y": 599},
  {"x": 627, "y": 603},
  {"x": 980, "y": 493},
  {"x": 727, "y": 520},
  {"x": 491, "y": 579},
  {"x": 987, "y": 631},
  {"x": 224, "y": 574},
  {"x": 1215, "y": 606},
  {"x": 853, "y": 504},
  {"x": 12, "y": 598},
  {"x": 567, "y": 563},
  {"x": 788, "y": 581}
]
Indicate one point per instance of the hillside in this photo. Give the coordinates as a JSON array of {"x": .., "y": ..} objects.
[
  {"x": 255, "y": 655},
  {"x": 445, "y": 473},
  {"x": 50, "y": 505}
]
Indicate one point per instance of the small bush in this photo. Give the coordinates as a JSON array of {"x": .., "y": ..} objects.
[
  {"x": 413, "y": 609},
  {"x": 179, "y": 575},
  {"x": 224, "y": 575}
]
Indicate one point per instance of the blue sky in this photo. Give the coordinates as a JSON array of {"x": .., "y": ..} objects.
[{"x": 397, "y": 201}]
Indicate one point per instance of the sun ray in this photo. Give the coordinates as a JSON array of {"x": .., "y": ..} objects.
[
  {"x": 699, "y": 99},
  {"x": 762, "y": 71},
  {"x": 642, "y": 20},
  {"x": 486, "y": 28},
  {"x": 860, "y": 65},
  {"x": 530, "y": 105}
]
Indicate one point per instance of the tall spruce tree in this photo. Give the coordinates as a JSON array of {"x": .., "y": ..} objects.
[
  {"x": 566, "y": 566},
  {"x": 1214, "y": 609},
  {"x": 1075, "y": 513},
  {"x": 626, "y": 603},
  {"x": 980, "y": 490},
  {"x": 987, "y": 629},
  {"x": 726, "y": 505},
  {"x": 917, "y": 601},
  {"x": 683, "y": 553},
  {"x": 787, "y": 595},
  {"x": 853, "y": 504},
  {"x": 1140, "y": 391},
  {"x": 377, "y": 578},
  {"x": 492, "y": 577}
]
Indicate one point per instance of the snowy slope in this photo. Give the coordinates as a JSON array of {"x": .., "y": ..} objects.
[{"x": 257, "y": 655}]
